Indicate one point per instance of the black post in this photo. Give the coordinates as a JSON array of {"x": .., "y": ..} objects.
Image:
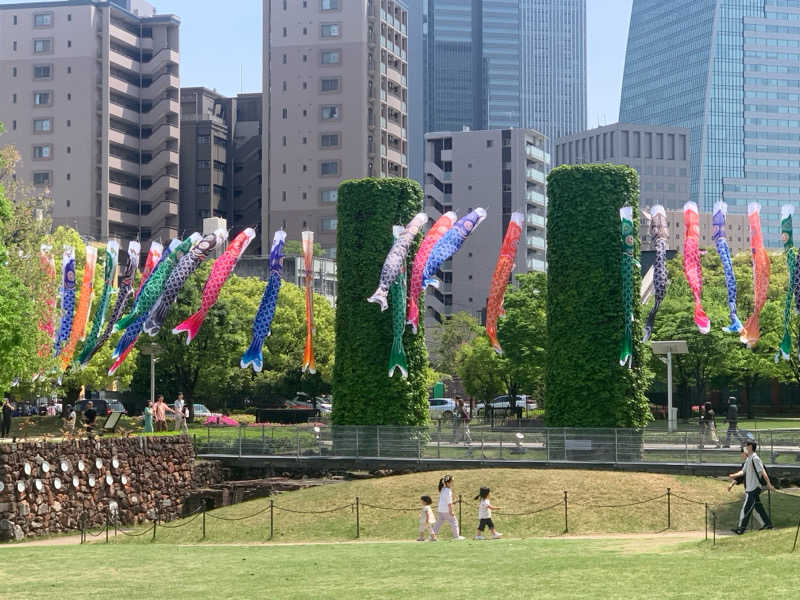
[
  {"x": 358, "y": 520},
  {"x": 83, "y": 527},
  {"x": 204, "y": 518},
  {"x": 116, "y": 523},
  {"x": 459, "y": 513},
  {"x": 107, "y": 513},
  {"x": 669, "y": 509},
  {"x": 769, "y": 503},
  {"x": 155, "y": 524},
  {"x": 706, "y": 521},
  {"x": 714, "y": 518},
  {"x": 271, "y": 518},
  {"x": 795, "y": 536},
  {"x": 566, "y": 520}
]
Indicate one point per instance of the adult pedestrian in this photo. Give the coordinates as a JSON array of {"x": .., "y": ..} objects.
[
  {"x": 7, "y": 408},
  {"x": 701, "y": 422},
  {"x": 733, "y": 422},
  {"x": 463, "y": 420},
  {"x": 70, "y": 416},
  {"x": 180, "y": 416},
  {"x": 147, "y": 419},
  {"x": 89, "y": 416},
  {"x": 160, "y": 413},
  {"x": 711, "y": 425},
  {"x": 755, "y": 478}
]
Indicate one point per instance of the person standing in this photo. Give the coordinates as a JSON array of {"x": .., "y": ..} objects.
[
  {"x": 160, "y": 413},
  {"x": 711, "y": 425},
  {"x": 147, "y": 419},
  {"x": 702, "y": 424},
  {"x": 89, "y": 416},
  {"x": 485, "y": 508},
  {"x": 463, "y": 420},
  {"x": 755, "y": 476},
  {"x": 180, "y": 416},
  {"x": 426, "y": 519},
  {"x": 70, "y": 416},
  {"x": 445, "y": 511},
  {"x": 733, "y": 421},
  {"x": 7, "y": 408}
]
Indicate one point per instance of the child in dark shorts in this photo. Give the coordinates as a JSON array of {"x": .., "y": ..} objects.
[{"x": 485, "y": 514}]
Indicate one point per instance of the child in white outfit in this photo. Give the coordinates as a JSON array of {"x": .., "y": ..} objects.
[
  {"x": 426, "y": 519},
  {"x": 485, "y": 515},
  {"x": 445, "y": 511}
]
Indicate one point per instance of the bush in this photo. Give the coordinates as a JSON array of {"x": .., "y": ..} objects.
[
  {"x": 363, "y": 393},
  {"x": 585, "y": 385}
]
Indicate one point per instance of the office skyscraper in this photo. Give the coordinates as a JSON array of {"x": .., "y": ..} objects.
[
  {"x": 90, "y": 100},
  {"x": 727, "y": 70},
  {"x": 494, "y": 64}
]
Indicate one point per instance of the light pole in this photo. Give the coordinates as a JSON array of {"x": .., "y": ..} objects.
[
  {"x": 669, "y": 348},
  {"x": 152, "y": 350}
]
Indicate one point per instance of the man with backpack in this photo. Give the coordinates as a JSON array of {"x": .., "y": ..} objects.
[{"x": 755, "y": 476}]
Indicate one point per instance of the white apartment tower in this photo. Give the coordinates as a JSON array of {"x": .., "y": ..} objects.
[
  {"x": 335, "y": 107},
  {"x": 90, "y": 98}
]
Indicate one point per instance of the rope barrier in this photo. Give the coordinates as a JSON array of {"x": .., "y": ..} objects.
[
  {"x": 315, "y": 512},
  {"x": 389, "y": 508},
  {"x": 531, "y": 512},
  {"x": 194, "y": 517},
  {"x": 674, "y": 495},
  {"x": 148, "y": 530},
  {"x": 572, "y": 503},
  {"x": 213, "y": 516}
]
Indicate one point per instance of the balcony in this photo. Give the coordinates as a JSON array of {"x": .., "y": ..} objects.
[
  {"x": 535, "y": 197},
  {"x": 122, "y": 61},
  {"x": 393, "y": 128},
  {"x": 123, "y": 36},
  {"x": 119, "y": 217},
  {"x": 159, "y": 213},
  {"x": 157, "y": 89},
  {"x": 160, "y": 136},
  {"x": 535, "y": 242},
  {"x": 166, "y": 106},
  {"x": 535, "y": 220},
  {"x": 160, "y": 60},
  {"x": 395, "y": 155},
  {"x": 123, "y": 139},
  {"x": 121, "y": 164},
  {"x": 165, "y": 183},
  {"x": 123, "y": 87},
  {"x": 534, "y": 175},
  {"x": 395, "y": 103},
  {"x": 537, "y": 153},
  {"x": 161, "y": 161},
  {"x": 123, "y": 191},
  {"x": 126, "y": 114},
  {"x": 534, "y": 264}
]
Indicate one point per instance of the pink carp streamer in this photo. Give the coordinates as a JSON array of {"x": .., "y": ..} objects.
[
  {"x": 751, "y": 334},
  {"x": 442, "y": 225},
  {"x": 309, "y": 363},
  {"x": 691, "y": 263},
  {"x": 502, "y": 274}
]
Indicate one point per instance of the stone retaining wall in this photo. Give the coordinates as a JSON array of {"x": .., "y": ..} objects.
[{"x": 49, "y": 486}]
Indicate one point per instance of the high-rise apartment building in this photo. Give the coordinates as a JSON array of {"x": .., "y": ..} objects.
[
  {"x": 726, "y": 70},
  {"x": 90, "y": 99},
  {"x": 220, "y": 160},
  {"x": 336, "y": 108},
  {"x": 503, "y": 171},
  {"x": 659, "y": 154},
  {"x": 494, "y": 64}
]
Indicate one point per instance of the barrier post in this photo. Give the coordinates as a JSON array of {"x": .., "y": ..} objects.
[
  {"x": 271, "y": 518},
  {"x": 155, "y": 524},
  {"x": 769, "y": 502},
  {"x": 686, "y": 445},
  {"x": 616, "y": 445},
  {"x": 419, "y": 445},
  {"x": 204, "y": 519},
  {"x": 547, "y": 442},
  {"x": 483, "y": 454},
  {"x": 356, "y": 441},
  {"x": 566, "y": 520},
  {"x": 714, "y": 519},
  {"x": 107, "y": 523},
  {"x": 83, "y": 527},
  {"x": 459, "y": 512},
  {"x": 771, "y": 452},
  {"x": 358, "y": 520},
  {"x": 795, "y": 536},
  {"x": 501, "y": 444},
  {"x": 706, "y": 521},
  {"x": 669, "y": 509},
  {"x": 439, "y": 441},
  {"x": 378, "y": 438},
  {"x": 298, "y": 442},
  {"x": 240, "y": 441}
]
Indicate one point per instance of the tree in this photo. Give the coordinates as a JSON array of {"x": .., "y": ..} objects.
[
  {"x": 480, "y": 369},
  {"x": 455, "y": 331},
  {"x": 363, "y": 393},
  {"x": 523, "y": 335},
  {"x": 585, "y": 384},
  {"x": 295, "y": 248}
]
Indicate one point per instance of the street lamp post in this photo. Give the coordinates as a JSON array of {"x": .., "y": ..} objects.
[
  {"x": 669, "y": 348},
  {"x": 152, "y": 350}
]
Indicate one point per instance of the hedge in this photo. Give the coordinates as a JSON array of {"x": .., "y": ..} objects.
[
  {"x": 585, "y": 385},
  {"x": 363, "y": 393}
]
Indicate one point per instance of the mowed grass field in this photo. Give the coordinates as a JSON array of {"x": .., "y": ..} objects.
[{"x": 631, "y": 569}]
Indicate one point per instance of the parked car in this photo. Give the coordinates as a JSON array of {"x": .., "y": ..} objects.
[
  {"x": 117, "y": 406},
  {"x": 441, "y": 408},
  {"x": 200, "y": 411},
  {"x": 101, "y": 407},
  {"x": 503, "y": 403}
]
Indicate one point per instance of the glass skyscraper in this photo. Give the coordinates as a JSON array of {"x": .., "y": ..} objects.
[
  {"x": 495, "y": 64},
  {"x": 729, "y": 70}
]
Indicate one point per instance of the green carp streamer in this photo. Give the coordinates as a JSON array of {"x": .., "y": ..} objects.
[{"x": 626, "y": 217}]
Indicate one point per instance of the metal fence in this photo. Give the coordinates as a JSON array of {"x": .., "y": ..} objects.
[{"x": 459, "y": 442}]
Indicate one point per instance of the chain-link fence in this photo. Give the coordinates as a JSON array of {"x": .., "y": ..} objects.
[{"x": 458, "y": 441}]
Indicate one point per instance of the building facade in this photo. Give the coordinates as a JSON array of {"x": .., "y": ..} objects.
[
  {"x": 503, "y": 171},
  {"x": 220, "y": 173},
  {"x": 495, "y": 64},
  {"x": 337, "y": 107},
  {"x": 90, "y": 100},
  {"x": 737, "y": 231},
  {"x": 727, "y": 70},
  {"x": 659, "y": 154}
]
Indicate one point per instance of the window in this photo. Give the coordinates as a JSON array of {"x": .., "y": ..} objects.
[
  {"x": 489, "y": 143},
  {"x": 331, "y": 57},
  {"x": 69, "y": 70},
  {"x": 14, "y": 46},
  {"x": 42, "y": 46},
  {"x": 15, "y": 19},
  {"x": 203, "y": 139},
  {"x": 219, "y": 165},
  {"x": 329, "y": 167},
  {"x": 329, "y": 84},
  {"x": 13, "y": 71},
  {"x": 41, "y": 98},
  {"x": 13, "y": 98},
  {"x": 202, "y": 189},
  {"x": 284, "y": 59},
  {"x": 305, "y": 57},
  {"x": 42, "y": 125},
  {"x": 42, "y": 72},
  {"x": 43, "y": 20},
  {"x": 329, "y": 4},
  {"x": 329, "y": 196},
  {"x": 219, "y": 141},
  {"x": 329, "y": 140},
  {"x": 329, "y": 223},
  {"x": 283, "y": 195},
  {"x": 284, "y": 113},
  {"x": 69, "y": 43},
  {"x": 283, "y": 140},
  {"x": 330, "y": 30},
  {"x": 283, "y": 168},
  {"x": 42, "y": 152},
  {"x": 203, "y": 164},
  {"x": 329, "y": 112},
  {"x": 284, "y": 86},
  {"x": 41, "y": 178}
]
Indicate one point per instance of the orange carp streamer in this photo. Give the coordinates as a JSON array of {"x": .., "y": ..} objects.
[
  {"x": 502, "y": 273},
  {"x": 309, "y": 364},
  {"x": 692, "y": 268},
  {"x": 751, "y": 334},
  {"x": 84, "y": 303}
]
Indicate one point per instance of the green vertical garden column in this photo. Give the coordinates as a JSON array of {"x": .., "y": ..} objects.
[
  {"x": 585, "y": 384},
  {"x": 362, "y": 390}
]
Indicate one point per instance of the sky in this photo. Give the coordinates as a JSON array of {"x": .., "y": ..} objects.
[{"x": 221, "y": 48}]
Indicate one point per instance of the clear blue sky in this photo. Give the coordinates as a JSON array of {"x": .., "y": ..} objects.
[{"x": 221, "y": 47}]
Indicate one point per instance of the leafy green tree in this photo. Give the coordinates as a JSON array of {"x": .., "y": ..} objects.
[
  {"x": 480, "y": 369},
  {"x": 447, "y": 338},
  {"x": 295, "y": 248}
]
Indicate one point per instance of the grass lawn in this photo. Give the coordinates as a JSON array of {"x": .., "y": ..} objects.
[
  {"x": 515, "y": 490},
  {"x": 603, "y": 569}
]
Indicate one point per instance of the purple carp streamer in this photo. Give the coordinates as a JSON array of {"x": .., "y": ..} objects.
[
  {"x": 266, "y": 310},
  {"x": 659, "y": 234},
  {"x": 397, "y": 292},
  {"x": 718, "y": 220},
  {"x": 396, "y": 259},
  {"x": 67, "y": 292}
]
